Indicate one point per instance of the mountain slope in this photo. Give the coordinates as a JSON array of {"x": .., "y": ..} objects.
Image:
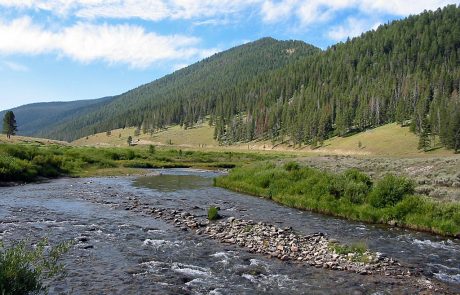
[
  {"x": 188, "y": 95},
  {"x": 406, "y": 72},
  {"x": 35, "y": 119}
]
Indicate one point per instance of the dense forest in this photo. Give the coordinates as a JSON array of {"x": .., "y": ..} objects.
[{"x": 407, "y": 71}]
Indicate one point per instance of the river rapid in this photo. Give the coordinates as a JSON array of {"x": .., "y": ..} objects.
[{"x": 121, "y": 251}]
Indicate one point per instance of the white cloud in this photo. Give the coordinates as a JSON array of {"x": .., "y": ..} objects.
[
  {"x": 13, "y": 66},
  {"x": 153, "y": 10},
  {"x": 401, "y": 7},
  {"x": 127, "y": 44},
  {"x": 308, "y": 12},
  {"x": 277, "y": 11},
  {"x": 305, "y": 12},
  {"x": 353, "y": 27}
]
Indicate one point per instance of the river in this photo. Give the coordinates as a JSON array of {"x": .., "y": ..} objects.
[{"x": 120, "y": 251}]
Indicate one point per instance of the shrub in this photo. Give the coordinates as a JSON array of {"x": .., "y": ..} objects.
[
  {"x": 213, "y": 213},
  {"x": 390, "y": 190},
  {"x": 22, "y": 269}
]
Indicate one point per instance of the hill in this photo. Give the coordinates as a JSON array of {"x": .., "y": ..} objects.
[
  {"x": 35, "y": 119},
  {"x": 188, "y": 95}
]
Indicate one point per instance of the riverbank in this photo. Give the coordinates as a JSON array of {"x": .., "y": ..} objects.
[
  {"x": 21, "y": 163},
  {"x": 351, "y": 195}
]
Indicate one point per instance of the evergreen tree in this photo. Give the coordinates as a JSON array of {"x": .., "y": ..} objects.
[
  {"x": 9, "y": 124},
  {"x": 424, "y": 136}
]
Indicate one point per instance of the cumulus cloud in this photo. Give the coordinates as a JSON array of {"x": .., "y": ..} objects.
[
  {"x": 85, "y": 42},
  {"x": 351, "y": 28}
]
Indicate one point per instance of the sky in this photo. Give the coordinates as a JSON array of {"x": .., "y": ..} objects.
[{"x": 61, "y": 50}]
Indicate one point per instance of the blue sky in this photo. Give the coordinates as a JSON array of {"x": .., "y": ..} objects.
[{"x": 60, "y": 50}]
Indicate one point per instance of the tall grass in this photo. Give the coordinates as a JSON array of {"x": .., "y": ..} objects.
[
  {"x": 24, "y": 162},
  {"x": 350, "y": 194}
]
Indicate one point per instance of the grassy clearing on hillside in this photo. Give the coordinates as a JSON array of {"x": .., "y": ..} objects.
[
  {"x": 350, "y": 194},
  {"x": 21, "y": 162},
  {"x": 388, "y": 140},
  {"x": 199, "y": 136}
]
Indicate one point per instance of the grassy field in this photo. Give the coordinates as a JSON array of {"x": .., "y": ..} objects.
[
  {"x": 390, "y": 140},
  {"x": 350, "y": 194}
]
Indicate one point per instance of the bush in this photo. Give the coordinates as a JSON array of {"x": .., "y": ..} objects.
[
  {"x": 213, "y": 213},
  {"x": 22, "y": 269},
  {"x": 390, "y": 190}
]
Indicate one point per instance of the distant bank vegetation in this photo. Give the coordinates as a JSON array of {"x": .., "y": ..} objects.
[{"x": 21, "y": 162}]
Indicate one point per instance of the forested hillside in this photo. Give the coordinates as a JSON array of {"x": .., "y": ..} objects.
[
  {"x": 407, "y": 71},
  {"x": 36, "y": 119},
  {"x": 190, "y": 94}
]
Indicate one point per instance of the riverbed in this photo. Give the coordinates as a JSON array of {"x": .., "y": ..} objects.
[{"x": 122, "y": 251}]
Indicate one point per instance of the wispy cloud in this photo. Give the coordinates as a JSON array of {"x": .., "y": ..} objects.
[
  {"x": 127, "y": 44},
  {"x": 305, "y": 11},
  {"x": 351, "y": 28},
  {"x": 16, "y": 67},
  {"x": 154, "y": 10}
]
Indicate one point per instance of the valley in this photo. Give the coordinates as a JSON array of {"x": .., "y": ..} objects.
[{"x": 253, "y": 166}]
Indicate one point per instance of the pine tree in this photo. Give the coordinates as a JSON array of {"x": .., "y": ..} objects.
[
  {"x": 9, "y": 124},
  {"x": 424, "y": 142}
]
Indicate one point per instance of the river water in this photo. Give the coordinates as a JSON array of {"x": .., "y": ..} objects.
[{"x": 120, "y": 251}]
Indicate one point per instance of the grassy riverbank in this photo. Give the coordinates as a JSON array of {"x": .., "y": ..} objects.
[
  {"x": 28, "y": 162},
  {"x": 351, "y": 194}
]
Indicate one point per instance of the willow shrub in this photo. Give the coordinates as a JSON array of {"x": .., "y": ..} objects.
[
  {"x": 23, "y": 268},
  {"x": 351, "y": 194}
]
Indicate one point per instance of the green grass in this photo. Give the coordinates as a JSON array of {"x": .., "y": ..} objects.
[
  {"x": 350, "y": 195},
  {"x": 27, "y": 162}
]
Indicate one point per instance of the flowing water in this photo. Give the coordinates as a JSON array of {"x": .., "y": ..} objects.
[{"x": 119, "y": 251}]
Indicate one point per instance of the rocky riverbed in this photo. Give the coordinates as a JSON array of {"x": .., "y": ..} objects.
[
  {"x": 285, "y": 244},
  {"x": 157, "y": 240}
]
